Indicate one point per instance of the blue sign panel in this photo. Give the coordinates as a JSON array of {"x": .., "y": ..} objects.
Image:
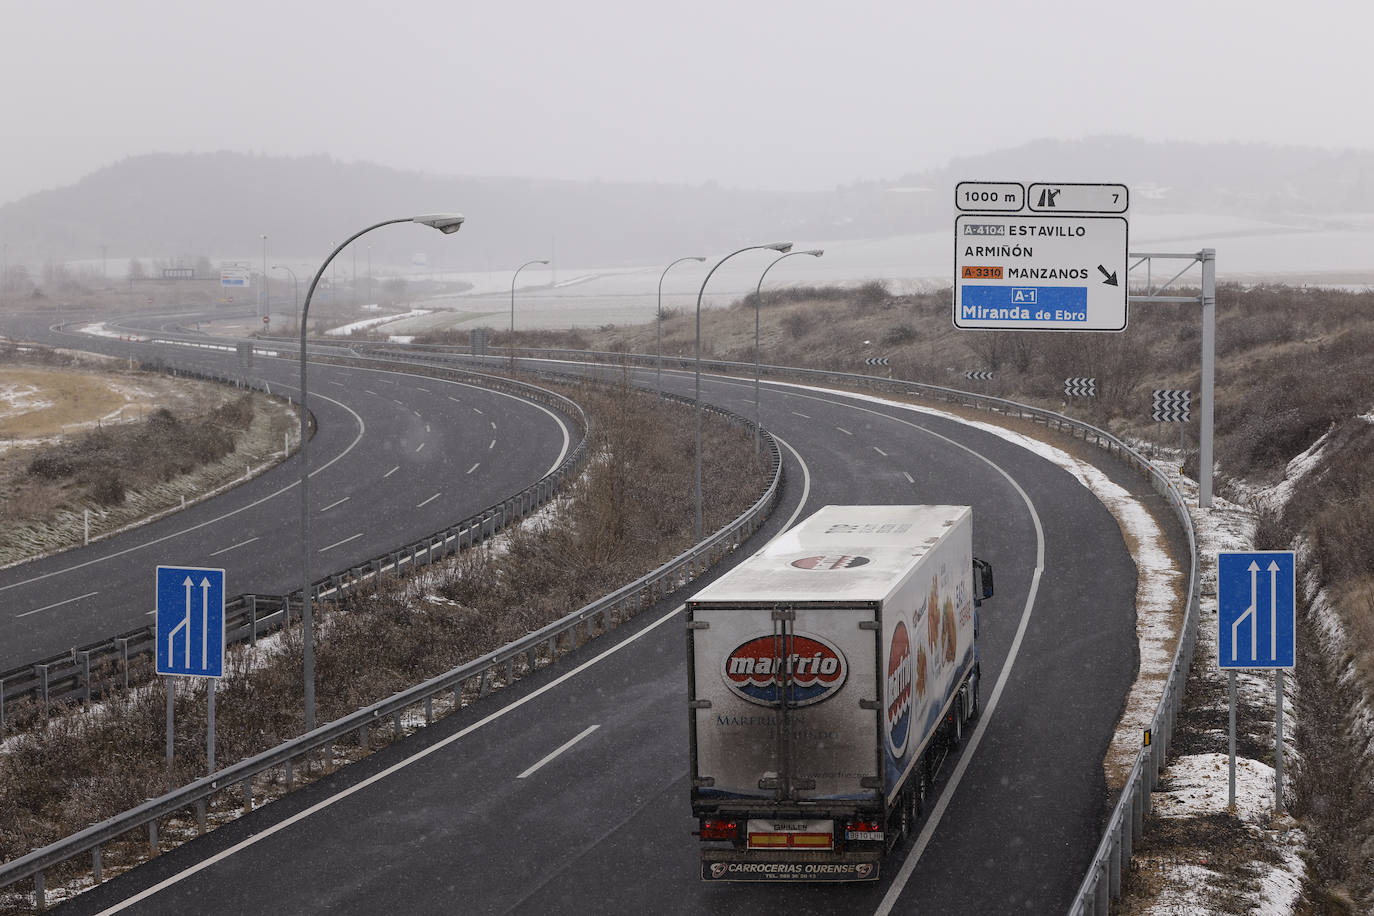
[
  {"x": 190, "y": 621},
  {"x": 1256, "y": 609}
]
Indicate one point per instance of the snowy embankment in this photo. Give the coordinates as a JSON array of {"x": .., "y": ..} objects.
[{"x": 365, "y": 323}]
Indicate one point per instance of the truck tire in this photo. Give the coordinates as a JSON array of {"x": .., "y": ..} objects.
[
  {"x": 956, "y": 733},
  {"x": 973, "y": 708}
]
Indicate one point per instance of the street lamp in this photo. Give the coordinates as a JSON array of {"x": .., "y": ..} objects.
[
  {"x": 295, "y": 291},
  {"x": 266, "y": 306},
  {"x": 758, "y": 304},
  {"x": 659, "y": 349},
  {"x": 512, "y": 309},
  {"x": 447, "y": 223},
  {"x": 783, "y": 247}
]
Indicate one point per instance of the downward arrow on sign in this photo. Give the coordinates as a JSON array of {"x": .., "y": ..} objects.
[{"x": 1111, "y": 277}]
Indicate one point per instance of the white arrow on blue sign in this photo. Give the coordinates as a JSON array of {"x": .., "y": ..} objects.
[
  {"x": 1256, "y": 609},
  {"x": 190, "y": 621}
]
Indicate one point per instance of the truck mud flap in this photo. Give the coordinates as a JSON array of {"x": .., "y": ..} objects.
[{"x": 777, "y": 870}]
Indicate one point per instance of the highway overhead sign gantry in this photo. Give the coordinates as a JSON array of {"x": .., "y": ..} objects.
[
  {"x": 1256, "y": 609},
  {"x": 1043, "y": 257},
  {"x": 190, "y": 621}
]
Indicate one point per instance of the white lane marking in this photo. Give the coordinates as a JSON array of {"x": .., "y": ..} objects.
[
  {"x": 336, "y": 503},
  {"x": 491, "y": 445},
  {"x": 370, "y": 391},
  {"x": 416, "y": 412},
  {"x": 479, "y": 411},
  {"x": 390, "y": 472},
  {"x": 474, "y": 467},
  {"x": 493, "y": 424},
  {"x": 584, "y": 733},
  {"x": 341, "y": 543},
  {"x": 798, "y": 413},
  {"x": 377, "y": 777},
  {"x": 806, "y": 482},
  {"x": 426, "y": 427},
  {"x": 428, "y": 501},
  {"x": 843, "y": 430},
  {"x": 420, "y": 446},
  {"x": 235, "y": 546},
  {"x": 51, "y": 606},
  {"x": 454, "y": 400},
  {"x": 880, "y": 451},
  {"x": 362, "y": 430},
  {"x": 340, "y": 384},
  {"x": 425, "y": 390},
  {"x": 909, "y": 478}
]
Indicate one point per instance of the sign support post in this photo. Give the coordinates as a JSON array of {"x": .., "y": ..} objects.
[
  {"x": 1257, "y": 629},
  {"x": 210, "y": 726},
  {"x": 171, "y": 730}
]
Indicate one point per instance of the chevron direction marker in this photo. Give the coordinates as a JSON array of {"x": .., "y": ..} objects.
[
  {"x": 1171, "y": 405},
  {"x": 1040, "y": 257},
  {"x": 981, "y": 375},
  {"x": 1080, "y": 387},
  {"x": 876, "y": 361}
]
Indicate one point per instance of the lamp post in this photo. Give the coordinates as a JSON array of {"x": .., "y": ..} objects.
[
  {"x": 295, "y": 292},
  {"x": 266, "y": 307},
  {"x": 447, "y": 223},
  {"x": 758, "y": 305},
  {"x": 783, "y": 247},
  {"x": 659, "y": 316},
  {"x": 512, "y": 309}
]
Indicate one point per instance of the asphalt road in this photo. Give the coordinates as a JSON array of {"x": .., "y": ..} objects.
[
  {"x": 464, "y": 818},
  {"x": 396, "y": 458}
]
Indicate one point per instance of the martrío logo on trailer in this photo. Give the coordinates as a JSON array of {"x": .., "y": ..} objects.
[
  {"x": 813, "y": 670},
  {"x": 831, "y": 562},
  {"x": 899, "y": 691}
]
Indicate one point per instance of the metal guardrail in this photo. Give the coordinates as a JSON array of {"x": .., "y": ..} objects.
[
  {"x": 87, "y": 671},
  {"x": 1102, "y": 880}
]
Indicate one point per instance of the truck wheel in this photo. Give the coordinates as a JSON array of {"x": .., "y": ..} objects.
[
  {"x": 905, "y": 819},
  {"x": 956, "y": 737}
]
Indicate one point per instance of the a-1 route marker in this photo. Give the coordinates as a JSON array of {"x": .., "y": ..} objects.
[{"x": 1241, "y": 594}]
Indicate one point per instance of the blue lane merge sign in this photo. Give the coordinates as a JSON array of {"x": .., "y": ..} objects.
[
  {"x": 190, "y": 621},
  {"x": 1256, "y": 609}
]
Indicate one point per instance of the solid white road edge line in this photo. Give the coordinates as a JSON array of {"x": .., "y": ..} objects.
[
  {"x": 584, "y": 733},
  {"x": 428, "y": 501},
  {"x": 337, "y": 502}
]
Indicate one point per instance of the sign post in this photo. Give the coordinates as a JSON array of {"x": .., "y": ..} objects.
[
  {"x": 1043, "y": 257},
  {"x": 1257, "y": 628},
  {"x": 190, "y": 637}
]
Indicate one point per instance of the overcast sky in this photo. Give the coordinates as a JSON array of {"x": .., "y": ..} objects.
[{"x": 807, "y": 94}]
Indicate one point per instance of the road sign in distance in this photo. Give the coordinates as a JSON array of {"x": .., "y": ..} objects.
[
  {"x": 1256, "y": 609},
  {"x": 1076, "y": 197},
  {"x": 1079, "y": 387},
  {"x": 982, "y": 196},
  {"x": 190, "y": 621}
]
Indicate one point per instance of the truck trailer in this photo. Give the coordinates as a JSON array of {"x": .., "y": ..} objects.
[{"x": 828, "y": 677}]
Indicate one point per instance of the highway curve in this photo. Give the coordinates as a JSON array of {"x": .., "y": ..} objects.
[
  {"x": 482, "y": 813},
  {"x": 395, "y": 458}
]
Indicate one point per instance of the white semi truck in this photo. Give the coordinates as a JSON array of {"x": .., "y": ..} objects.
[{"x": 828, "y": 677}]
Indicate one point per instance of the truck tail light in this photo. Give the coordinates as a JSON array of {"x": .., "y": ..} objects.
[
  {"x": 718, "y": 829},
  {"x": 863, "y": 829}
]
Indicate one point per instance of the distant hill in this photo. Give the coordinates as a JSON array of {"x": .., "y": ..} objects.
[{"x": 217, "y": 204}]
